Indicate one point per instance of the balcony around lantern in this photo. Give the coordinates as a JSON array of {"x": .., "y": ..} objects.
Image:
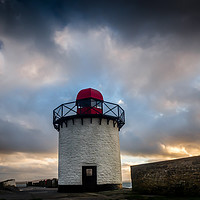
[{"x": 85, "y": 108}]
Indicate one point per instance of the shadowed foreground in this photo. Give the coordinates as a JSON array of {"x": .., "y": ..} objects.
[{"x": 37, "y": 193}]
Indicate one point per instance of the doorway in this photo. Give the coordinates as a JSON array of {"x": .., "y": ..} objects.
[{"x": 89, "y": 178}]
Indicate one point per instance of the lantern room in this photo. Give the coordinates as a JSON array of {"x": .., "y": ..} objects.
[{"x": 89, "y": 101}]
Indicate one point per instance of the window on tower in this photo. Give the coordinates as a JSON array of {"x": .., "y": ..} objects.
[
  {"x": 88, "y": 172},
  {"x": 84, "y": 103}
]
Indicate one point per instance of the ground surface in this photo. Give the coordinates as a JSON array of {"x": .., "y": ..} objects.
[{"x": 37, "y": 193}]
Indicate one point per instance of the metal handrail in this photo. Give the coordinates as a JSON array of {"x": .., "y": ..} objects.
[{"x": 70, "y": 109}]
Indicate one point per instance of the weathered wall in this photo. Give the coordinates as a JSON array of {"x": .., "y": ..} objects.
[
  {"x": 89, "y": 144},
  {"x": 180, "y": 176},
  {"x": 10, "y": 182}
]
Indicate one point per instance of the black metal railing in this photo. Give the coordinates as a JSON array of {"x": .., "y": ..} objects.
[{"x": 67, "y": 110}]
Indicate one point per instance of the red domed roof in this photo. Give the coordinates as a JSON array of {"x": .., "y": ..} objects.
[{"x": 89, "y": 93}]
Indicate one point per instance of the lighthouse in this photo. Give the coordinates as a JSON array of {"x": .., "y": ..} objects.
[{"x": 89, "y": 150}]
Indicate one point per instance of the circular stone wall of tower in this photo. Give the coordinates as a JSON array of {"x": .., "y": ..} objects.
[{"x": 89, "y": 143}]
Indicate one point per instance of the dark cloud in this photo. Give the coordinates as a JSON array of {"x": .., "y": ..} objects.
[
  {"x": 1, "y": 45},
  {"x": 28, "y": 21},
  {"x": 18, "y": 138},
  {"x": 138, "y": 21}
]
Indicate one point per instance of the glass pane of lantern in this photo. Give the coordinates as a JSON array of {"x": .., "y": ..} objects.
[
  {"x": 99, "y": 104},
  {"x": 84, "y": 103},
  {"x": 93, "y": 103},
  {"x": 88, "y": 172}
]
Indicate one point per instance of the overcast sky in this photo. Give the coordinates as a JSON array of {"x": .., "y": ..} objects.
[{"x": 144, "y": 55}]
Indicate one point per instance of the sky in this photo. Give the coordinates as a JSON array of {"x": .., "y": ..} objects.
[{"x": 141, "y": 54}]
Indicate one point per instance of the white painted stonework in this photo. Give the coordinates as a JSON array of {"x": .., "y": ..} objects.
[{"x": 90, "y": 144}]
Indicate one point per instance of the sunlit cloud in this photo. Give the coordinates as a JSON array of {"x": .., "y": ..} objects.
[
  {"x": 175, "y": 150},
  {"x": 23, "y": 166},
  {"x": 120, "y": 102}
]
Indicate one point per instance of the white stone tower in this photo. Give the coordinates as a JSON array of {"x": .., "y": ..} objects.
[{"x": 89, "y": 150}]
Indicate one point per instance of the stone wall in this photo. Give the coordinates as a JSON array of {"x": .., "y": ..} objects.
[
  {"x": 179, "y": 177},
  {"x": 10, "y": 182},
  {"x": 9, "y": 185}
]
